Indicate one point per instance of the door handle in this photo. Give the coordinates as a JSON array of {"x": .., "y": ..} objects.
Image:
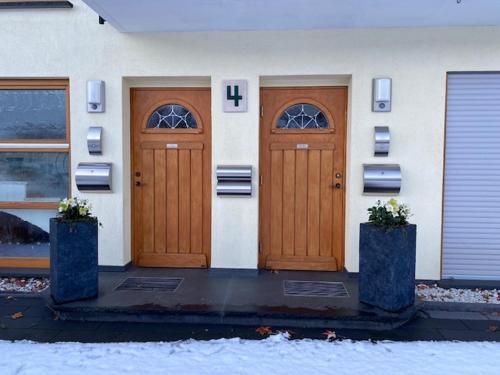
[
  {"x": 138, "y": 183},
  {"x": 337, "y": 185}
]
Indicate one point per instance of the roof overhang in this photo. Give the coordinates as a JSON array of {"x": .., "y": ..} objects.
[{"x": 226, "y": 15}]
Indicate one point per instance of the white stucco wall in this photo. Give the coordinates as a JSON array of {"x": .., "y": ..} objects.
[{"x": 71, "y": 43}]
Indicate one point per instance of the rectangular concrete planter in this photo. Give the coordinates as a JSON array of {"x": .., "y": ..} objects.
[
  {"x": 73, "y": 260},
  {"x": 387, "y": 266}
]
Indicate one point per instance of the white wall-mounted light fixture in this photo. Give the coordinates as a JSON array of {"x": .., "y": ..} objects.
[
  {"x": 382, "y": 95},
  {"x": 95, "y": 96}
]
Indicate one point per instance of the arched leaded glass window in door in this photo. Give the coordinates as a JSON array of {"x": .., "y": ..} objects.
[
  {"x": 172, "y": 116},
  {"x": 302, "y": 116}
]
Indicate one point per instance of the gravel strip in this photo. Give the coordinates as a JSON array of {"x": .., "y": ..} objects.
[
  {"x": 23, "y": 284},
  {"x": 437, "y": 294}
]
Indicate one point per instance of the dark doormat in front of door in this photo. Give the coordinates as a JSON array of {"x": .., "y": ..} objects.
[
  {"x": 151, "y": 284},
  {"x": 297, "y": 288}
]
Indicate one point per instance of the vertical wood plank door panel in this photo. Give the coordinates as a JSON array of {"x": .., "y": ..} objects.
[
  {"x": 302, "y": 164},
  {"x": 171, "y": 152}
]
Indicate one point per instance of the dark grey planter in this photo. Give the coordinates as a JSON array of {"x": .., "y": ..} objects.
[
  {"x": 73, "y": 260},
  {"x": 387, "y": 266}
]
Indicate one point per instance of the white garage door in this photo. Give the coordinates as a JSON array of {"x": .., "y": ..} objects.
[{"x": 471, "y": 232}]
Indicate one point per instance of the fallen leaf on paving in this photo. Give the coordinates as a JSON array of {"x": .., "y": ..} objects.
[
  {"x": 275, "y": 271},
  {"x": 330, "y": 335},
  {"x": 264, "y": 331},
  {"x": 492, "y": 328},
  {"x": 17, "y": 315}
]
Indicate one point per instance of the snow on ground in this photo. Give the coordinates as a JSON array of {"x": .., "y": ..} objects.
[
  {"x": 23, "y": 284},
  {"x": 435, "y": 293},
  {"x": 275, "y": 356}
]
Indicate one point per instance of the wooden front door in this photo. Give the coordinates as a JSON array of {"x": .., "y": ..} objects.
[
  {"x": 171, "y": 145},
  {"x": 302, "y": 163}
]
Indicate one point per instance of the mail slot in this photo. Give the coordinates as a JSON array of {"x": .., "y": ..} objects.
[
  {"x": 234, "y": 188},
  {"x": 382, "y": 140},
  {"x": 381, "y": 178},
  {"x": 94, "y": 140},
  {"x": 93, "y": 176},
  {"x": 234, "y": 180}
]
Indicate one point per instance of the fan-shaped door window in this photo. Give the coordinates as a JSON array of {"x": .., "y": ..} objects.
[
  {"x": 302, "y": 116},
  {"x": 172, "y": 116}
]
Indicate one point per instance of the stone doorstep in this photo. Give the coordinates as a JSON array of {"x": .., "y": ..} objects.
[{"x": 369, "y": 319}]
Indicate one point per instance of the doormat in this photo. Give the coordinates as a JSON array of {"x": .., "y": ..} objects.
[
  {"x": 296, "y": 288},
  {"x": 151, "y": 284}
]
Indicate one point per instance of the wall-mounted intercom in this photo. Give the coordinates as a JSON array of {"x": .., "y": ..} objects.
[
  {"x": 95, "y": 96},
  {"x": 382, "y": 95}
]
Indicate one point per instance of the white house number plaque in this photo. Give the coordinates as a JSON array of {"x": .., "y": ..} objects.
[{"x": 235, "y": 95}]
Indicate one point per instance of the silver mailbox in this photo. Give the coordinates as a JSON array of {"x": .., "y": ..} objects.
[
  {"x": 382, "y": 140},
  {"x": 381, "y": 178},
  {"x": 94, "y": 140},
  {"x": 93, "y": 177},
  {"x": 234, "y": 180}
]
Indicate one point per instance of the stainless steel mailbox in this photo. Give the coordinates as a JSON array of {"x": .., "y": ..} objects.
[
  {"x": 234, "y": 180},
  {"x": 93, "y": 177},
  {"x": 382, "y": 140},
  {"x": 381, "y": 178}
]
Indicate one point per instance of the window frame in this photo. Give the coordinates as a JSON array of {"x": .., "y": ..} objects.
[{"x": 38, "y": 145}]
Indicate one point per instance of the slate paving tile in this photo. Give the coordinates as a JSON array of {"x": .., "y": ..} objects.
[
  {"x": 26, "y": 334},
  {"x": 85, "y": 336},
  {"x": 39, "y": 311},
  {"x": 470, "y": 335},
  {"x": 20, "y": 299},
  {"x": 493, "y": 316},
  {"x": 7, "y": 311},
  {"x": 461, "y": 315},
  {"x": 408, "y": 334},
  {"x": 124, "y": 327},
  {"x": 21, "y": 323},
  {"x": 425, "y": 323},
  {"x": 66, "y": 325},
  {"x": 38, "y": 324},
  {"x": 482, "y": 325}
]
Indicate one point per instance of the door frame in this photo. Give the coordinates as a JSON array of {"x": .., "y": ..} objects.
[
  {"x": 133, "y": 214},
  {"x": 261, "y": 260}
]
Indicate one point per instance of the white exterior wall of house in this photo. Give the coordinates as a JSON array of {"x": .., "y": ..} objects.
[{"x": 71, "y": 44}]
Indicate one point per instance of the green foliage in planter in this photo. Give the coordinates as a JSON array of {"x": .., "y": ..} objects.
[
  {"x": 74, "y": 209},
  {"x": 390, "y": 214}
]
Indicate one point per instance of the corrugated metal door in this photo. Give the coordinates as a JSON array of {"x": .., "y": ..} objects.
[{"x": 471, "y": 232}]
